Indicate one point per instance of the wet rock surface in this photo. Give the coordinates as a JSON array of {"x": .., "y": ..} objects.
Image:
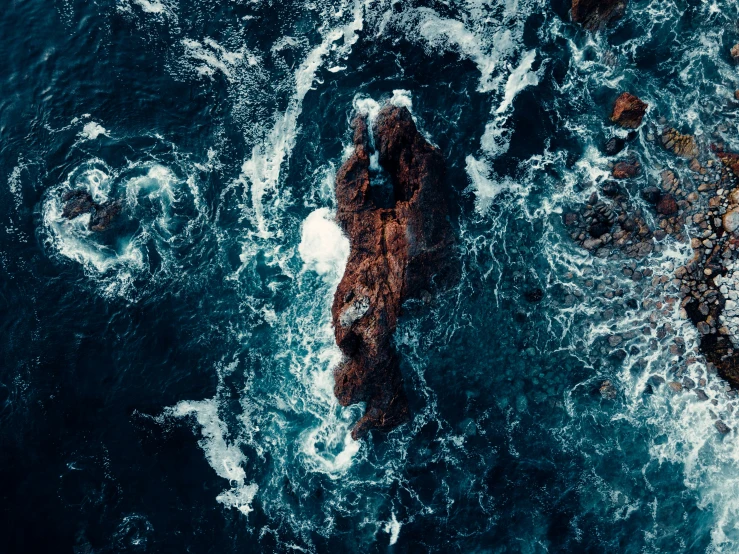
[
  {"x": 596, "y": 14},
  {"x": 698, "y": 202},
  {"x": 398, "y": 252},
  {"x": 78, "y": 202},
  {"x": 628, "y": 111}
]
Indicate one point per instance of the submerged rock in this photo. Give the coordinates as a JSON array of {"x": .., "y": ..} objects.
[
  {"x": 596, "y": 14},
  {"x": 607, "y": 390},
  {"x": 628, "y": 111},
  {"x": 397, "y": 252},
  {"x": 77, "y": 202},
  {"x": 104, "y": 215},
  {"x": 614, "y": 145}
]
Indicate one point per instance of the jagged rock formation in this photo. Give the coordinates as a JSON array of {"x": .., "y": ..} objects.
[
  {"x": 596, "y": 14},
  {"x": 79, "y": 202},
  {"x": 628, "y": 111},
  {"x": 399, "y": 250},
  {"x": 681, "y": 145}
]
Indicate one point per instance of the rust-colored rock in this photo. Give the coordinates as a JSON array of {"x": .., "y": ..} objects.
[
  {"x": 667, "y": 205},
  {"x": 625, "y": 170},
  {"x": 628, "y": 111},
  {"x": 399, "y": 250},
  {"x": 730, "y": 161},
  {"x": 596, "y": 14}
]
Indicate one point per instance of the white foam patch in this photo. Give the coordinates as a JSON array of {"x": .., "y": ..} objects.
[
  {"x": 211, "y": 57},
  {"x": 323, "y": 246},
  {"x": 485, "y": 185},
  {"x": 392, "y": 528},
  {"x": 224, "y": 456},
  {"x": 92, "y": 130},
  {"x": 151, "y": 6}
]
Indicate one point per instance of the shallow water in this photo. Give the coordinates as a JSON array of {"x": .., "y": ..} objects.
[{"x": 168, "y": 387}]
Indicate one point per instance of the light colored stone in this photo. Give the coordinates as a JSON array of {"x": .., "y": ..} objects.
[{"x": 731, "y": 220}]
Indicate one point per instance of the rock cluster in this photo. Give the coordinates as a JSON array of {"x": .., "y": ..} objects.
[
  {"x": 607, "y": 225},
  {"x": 399, "y": 249},
  {"x": 78, "y": 202},
  {"x": 680, "y": 145},
  {"x": 628, "y": 111},
  {"x": 596, "y": 14}
]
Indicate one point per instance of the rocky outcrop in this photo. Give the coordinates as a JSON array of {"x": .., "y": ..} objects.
[
  {"x": 681, "y": 145},
  {"x": 596, "y": 14},
  {"x": 78, "y": 202},
  {"x": 625, "y": 170},
  {"x": 104, "y": 214},
  {"x": 401, "y": 247},
  {"x": 628, "y": 111}
]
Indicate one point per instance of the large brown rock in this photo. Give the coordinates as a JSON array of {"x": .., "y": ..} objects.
[
  {"x": 628, "y": 111},
  {"x": 596, "y": 14},
  {"x": 397, "y": 252}
]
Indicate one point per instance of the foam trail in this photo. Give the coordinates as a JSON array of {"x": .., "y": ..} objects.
[
  {"x": 262, "y": 169},
  {"x": 225, "y": 457}
]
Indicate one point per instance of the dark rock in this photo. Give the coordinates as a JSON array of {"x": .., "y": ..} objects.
[
  {"x": 534, "y": 295},
  {"x": 77, "y": 202},
  {"x": 396, "y": 252},
  {"x": 611, "y": 189},
  {"x": 598, "y": 229},
  {"x": 596, "y": 14},
  {"x": 625, "y": 170},
  {"x": 614, "y": 145},
  {"x": 722, "y": 427},
  {"x": 628, "y": 111},
  {"x": 651, "y": 195},
  {"x": 667, "y": 205},
  {"x": 104, "y": 215}
]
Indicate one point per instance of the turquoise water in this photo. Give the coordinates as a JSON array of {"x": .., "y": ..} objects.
[{"x": 168, "y": 387}]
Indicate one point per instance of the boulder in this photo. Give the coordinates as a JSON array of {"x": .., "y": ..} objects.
[
  {"x": 625, "y": 170},
  {"x": 730, "y": 220},
  {"x": 76, "y": 203},
  {"x": 614, "y": 145},
  {"x": 397, "y": 252},
  {"x": 682, "y": 145},
  {"x": 628, "y": 111},
  {"x": 667, "y": 205},
  {"x": 651, "y": 195},
  {"x": 596, "y": 14},
  {"x": 103, "y": 215}
]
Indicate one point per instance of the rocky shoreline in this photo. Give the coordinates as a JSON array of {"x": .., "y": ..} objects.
[
  {"x": 402, "y": 246},
  {"x": 696, "y": 201}
]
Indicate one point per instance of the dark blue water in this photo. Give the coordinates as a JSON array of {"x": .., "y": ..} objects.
[{"x": 167, "y": 387}]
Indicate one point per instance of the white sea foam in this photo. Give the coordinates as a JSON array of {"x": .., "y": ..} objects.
[
  {"x": 392, "y": 528},
  {"x": 211, "y": 57},
  {"x": 92, "y": 130},
  {"x": 323, "y": 246},
  {"x": 223, "y": 455}
]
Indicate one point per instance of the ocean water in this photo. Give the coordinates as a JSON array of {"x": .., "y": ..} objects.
[{"x": 168, "y": 387}]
